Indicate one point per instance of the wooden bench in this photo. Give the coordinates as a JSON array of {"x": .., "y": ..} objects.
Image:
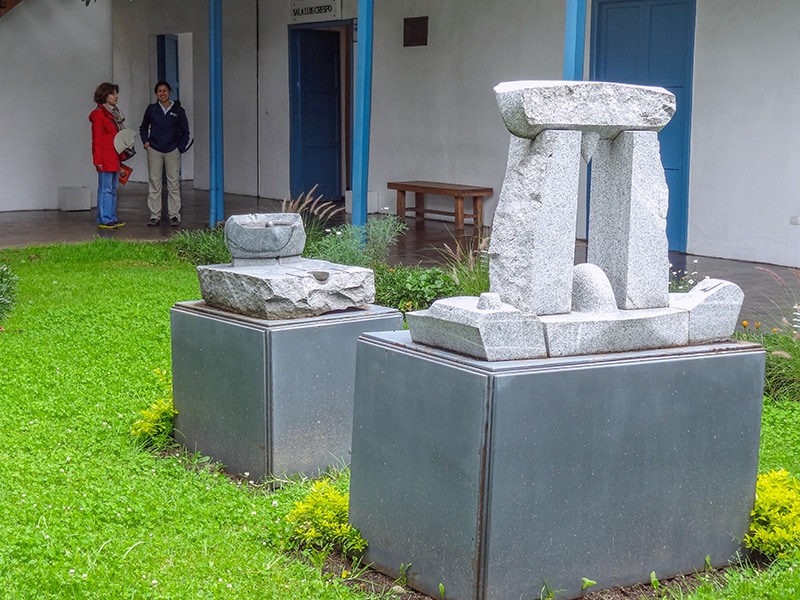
[{"x": 457, "y": 191}]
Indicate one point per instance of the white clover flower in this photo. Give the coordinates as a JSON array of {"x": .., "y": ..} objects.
[{"x": 275, "y": 503}]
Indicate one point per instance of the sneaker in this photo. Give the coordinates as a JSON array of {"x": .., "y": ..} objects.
[
  {"x": 153, "y": 222},
  {"x": 117, "y": 225},
  {"x": 109, "y": 225},
  {"x": 174, "y": 221}
]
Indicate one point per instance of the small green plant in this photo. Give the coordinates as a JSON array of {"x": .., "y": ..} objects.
[
  {"x": 8, "y": 290},
  {"x": 586, "y": 583},
  {"x": 154, "y": 429},
  {"x": 682, "y": 280},
  {"x": 320, "y": 520},
  {"x": 654, "y": 582},
  {"x": 403, "y": 578},
  {"x": 775, "y": 528},
  {"x": 547, "y": 592},
  {"x": 441, "y": 591}
]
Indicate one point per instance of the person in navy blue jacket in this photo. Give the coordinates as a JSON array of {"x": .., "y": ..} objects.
[{"x": 165, "y": 135}]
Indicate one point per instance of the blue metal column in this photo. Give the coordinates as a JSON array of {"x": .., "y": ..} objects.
[
  {"x": 363, "y": 112},
  {"x": 216, "y": 172},
  {"x": 574, "y": 39}
]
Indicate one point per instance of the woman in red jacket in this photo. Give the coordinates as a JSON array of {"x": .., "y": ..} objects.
[{"x": 106, "y": 122}]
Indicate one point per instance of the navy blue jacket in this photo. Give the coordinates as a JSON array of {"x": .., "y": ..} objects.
[{"x": 165, "y": 131}]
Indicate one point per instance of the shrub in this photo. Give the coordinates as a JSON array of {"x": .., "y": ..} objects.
[
  {"x": 154, "y": 429},
  {"x": 782, "y": 369},
  {"x": 468, "y": 265},
  {"x": 320, "y": 520},
  {"x": 202, "y": 246},
  {"x": 315, "y": 212},
  {"x": 357, "y": 246},
  {"x": 775, "y": 530},
  {"x": 8, "y": 290},
  {"x": 411, "y": 288}
]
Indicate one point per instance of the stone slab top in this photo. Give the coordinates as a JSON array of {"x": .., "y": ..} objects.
[{"x": 598, "y": 107}]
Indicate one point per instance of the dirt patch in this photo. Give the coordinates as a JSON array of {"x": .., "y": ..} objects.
[{"x": 378, "y": 583}]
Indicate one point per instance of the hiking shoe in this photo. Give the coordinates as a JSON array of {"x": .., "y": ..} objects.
[
  {"x": 174, "y": 221},
  {"x": 153, "y": 222}
]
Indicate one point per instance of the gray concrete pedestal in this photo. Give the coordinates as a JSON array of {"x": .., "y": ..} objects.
[
  {"x": 268, "y": 397},
  {"x": 498, "y": 478}
]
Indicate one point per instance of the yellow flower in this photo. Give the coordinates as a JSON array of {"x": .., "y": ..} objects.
[
  {"x": 345, "y": 573},
  {"x": 774, "y": 330},
  {"x": 757, "y": 324},
  {"x": 745, "y": 323}
]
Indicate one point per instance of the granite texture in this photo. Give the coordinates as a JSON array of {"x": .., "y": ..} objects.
[
  {"x": 530, "y": 107},
  {"x": 713, "y": 306},
  {"x": 483, "y": 328},
  {"x": 628, "y": 219},
  {"x": 303, "y": 288},
  {"x": 532, "y": 248},
  {"x": 619, "y": 331}
]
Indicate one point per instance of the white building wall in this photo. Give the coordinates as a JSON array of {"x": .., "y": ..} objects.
[
  {"x": 745, "y": 162},
  {"x": 434, "y": 114},
  {"x": 54, "y": 55}
]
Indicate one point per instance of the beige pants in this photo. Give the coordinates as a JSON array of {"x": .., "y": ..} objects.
[{"x": 157, "y": 162}]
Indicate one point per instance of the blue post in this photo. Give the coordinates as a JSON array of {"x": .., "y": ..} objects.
[
  {"x": 574, "y": 39},
  {"x": 216, "y": 171},
  {"x": 363, "y": 112}
]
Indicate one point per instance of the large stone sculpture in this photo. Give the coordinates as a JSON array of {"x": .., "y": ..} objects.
[{"x": 548, "y": 306}]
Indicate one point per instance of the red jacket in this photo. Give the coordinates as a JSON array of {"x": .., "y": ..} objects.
[{"x": 104, "y": 130}]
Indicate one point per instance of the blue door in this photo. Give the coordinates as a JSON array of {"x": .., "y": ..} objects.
[
  {"x": 315, "y": 130},
  {"x": 650, "y": 42},
  {"x": 167, "y": 53}
]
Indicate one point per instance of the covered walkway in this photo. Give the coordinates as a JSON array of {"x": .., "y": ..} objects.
[{"x": 770, "y": 291}]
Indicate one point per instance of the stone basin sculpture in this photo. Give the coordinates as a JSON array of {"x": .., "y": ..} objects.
[
  {"x": 540, "y": 303},
  {"x": 268, "y": 278}
]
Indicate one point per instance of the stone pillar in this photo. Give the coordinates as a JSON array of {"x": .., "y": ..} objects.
[
  {"x": 628, "y": 219},
  {"x": 532, "y": 248}
]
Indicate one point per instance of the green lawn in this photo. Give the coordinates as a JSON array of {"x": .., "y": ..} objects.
[{"x": 85, "y": 513}]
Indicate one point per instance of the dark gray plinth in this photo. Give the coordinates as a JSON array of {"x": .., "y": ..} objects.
[
  {"x": 493, "y": 478},
  {"x": 268, "y": 397}
]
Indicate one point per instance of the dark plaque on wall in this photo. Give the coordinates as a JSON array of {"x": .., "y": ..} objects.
[{"x": 415, "y": 31}]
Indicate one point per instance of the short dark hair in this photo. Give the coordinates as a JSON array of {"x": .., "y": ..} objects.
[
  {"x": 160, "y": 83},
  {"x": 104, "y": 90}
]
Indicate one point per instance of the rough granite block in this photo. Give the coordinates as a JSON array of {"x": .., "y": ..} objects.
[
  {"x": 483, "y": 328},
  {"x": 628, "y": 219},
  {"x": 713, "y": 306},
  {"x": 532, "y": 248},
  {"x": 530, "y": 107},
  {"x": 302, "y": 288},
  {"x": 599, "y": 333}
]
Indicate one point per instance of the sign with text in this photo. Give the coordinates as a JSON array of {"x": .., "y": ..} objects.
[{"x": 307, "y": 11}]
